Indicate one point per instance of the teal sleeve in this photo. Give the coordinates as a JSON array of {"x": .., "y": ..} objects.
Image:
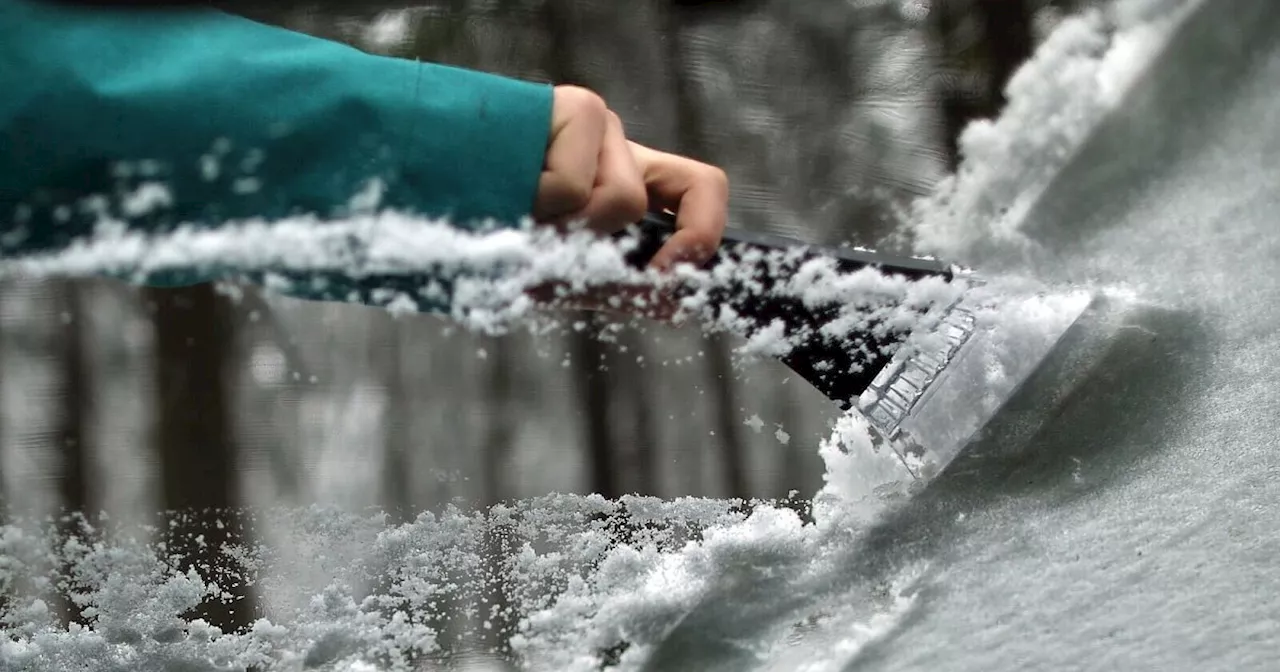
[{"x": 241, "y": 119}]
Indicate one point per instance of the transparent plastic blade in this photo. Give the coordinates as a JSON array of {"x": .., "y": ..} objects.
[{"x": 955, "y": 372}]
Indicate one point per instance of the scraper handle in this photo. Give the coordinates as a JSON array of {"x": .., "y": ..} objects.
[
  {"x": 840, "y": 369},
  {"x": 656, "y": 227}
]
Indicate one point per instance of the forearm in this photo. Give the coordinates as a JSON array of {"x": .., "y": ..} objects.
[{"x": 239, "y": 119}]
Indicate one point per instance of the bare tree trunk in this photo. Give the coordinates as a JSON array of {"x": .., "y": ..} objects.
[
  {"x": 792, "y": 466},
  {"x": 73, "y": 429},
  {"x": 689, "y": 118},
  {"x": 979, "y": 69},
  {"x": 631, "y": 373},
  {"x": 499, "y": 620},
  {"x": 690, "y": 141},
  {"x": 77, "y": 401},
  {"x": 500, "y": 433},
  {"x": 4, "y": 286},
  {"x": 595, "y": 393},
  {"x": 558, "y": 22},
  {"x": 1009, "y": 32},
  {"x": 195, "y": 440},
  {"x": 260, "y": 323},
  {"x": 4, "y": 504},
  {"x": 727, "y": 421},
  {"x": 397, "y": 484},
  {"x": 594, "y": 398},
  {"x": 259, "y": 312}
]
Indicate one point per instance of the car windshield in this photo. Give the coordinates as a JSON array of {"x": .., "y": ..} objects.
[{"x": 221, "y": 477}]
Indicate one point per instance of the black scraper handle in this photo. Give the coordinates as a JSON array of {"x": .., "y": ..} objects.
[
  {"x": 656, "y": 227},
  {"x": 839, "y": 369}
]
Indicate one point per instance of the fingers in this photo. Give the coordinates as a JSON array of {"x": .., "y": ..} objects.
[
  {"x": 578, "y": 121},
  {"x": 590, "y": 174},
  {"x": 619, "y": 198},
  {"x": 594, "y": 174},
  {"x": 699, "y": 195}
]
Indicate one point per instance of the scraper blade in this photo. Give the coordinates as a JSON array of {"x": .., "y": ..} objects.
[
  {"x": 952, "y": 377},
  {"x": 926, "y": 389}
]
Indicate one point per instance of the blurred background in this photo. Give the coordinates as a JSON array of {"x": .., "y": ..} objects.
[{"x": 829, "y": 117}]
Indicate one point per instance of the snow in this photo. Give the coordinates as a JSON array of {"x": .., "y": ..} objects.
[
  {"x": 492, "y": 271},
  {"x": 1071, "y": 82},
  {"x": 147, "y": 198},
  {"x": 1020, "y": 565},
  {"x": 389, "y": 30}
]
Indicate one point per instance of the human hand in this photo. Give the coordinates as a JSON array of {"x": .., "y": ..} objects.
[{"x": 594, "y": 175}]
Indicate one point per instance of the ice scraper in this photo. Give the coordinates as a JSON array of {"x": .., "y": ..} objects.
[{"x": 927, "y": 386}]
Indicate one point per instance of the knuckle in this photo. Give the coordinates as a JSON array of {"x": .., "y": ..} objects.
[
  {"x": 582, "y": 101},
  {"x": 576, "y": 193},
  {"x": 563, "y": 194},
  {"x": 630, "y": 202},
  {"x": 617, "y": 207},
  {"x": 717, "y": 178}
]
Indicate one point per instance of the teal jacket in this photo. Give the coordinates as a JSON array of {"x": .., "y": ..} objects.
[{"x": 241, "y": 119}]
